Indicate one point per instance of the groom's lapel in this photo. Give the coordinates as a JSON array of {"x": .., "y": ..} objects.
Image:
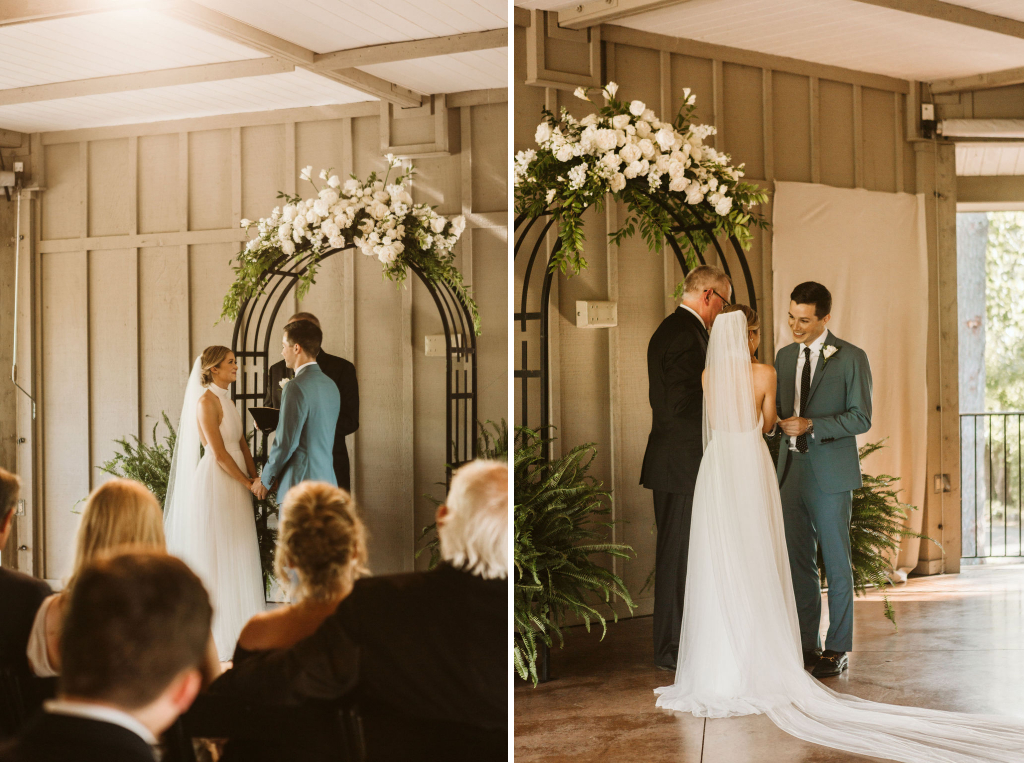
[
  {"x": 821, "y": 365},
  {"x": 789, "y": 381}
]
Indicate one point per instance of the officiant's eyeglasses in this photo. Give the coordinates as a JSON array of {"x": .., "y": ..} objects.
[{"x": 724, "y": 300}]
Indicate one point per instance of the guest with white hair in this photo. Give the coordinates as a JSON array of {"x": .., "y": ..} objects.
[{"x": 425, "y": 652}]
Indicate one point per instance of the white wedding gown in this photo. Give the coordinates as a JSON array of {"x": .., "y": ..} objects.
[
  {"x": 209, "y": 521},
  {"x": 739, "y": 649}
]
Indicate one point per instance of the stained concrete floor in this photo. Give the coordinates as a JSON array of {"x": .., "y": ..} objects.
[{"x": 960, "y": 646}]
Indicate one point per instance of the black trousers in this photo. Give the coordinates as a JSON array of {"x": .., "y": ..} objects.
[{"x": 672, "y": 513}]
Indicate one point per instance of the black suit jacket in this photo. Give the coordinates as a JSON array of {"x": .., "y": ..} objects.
[
  {"x": 20, "y": 597},
  {"x": 675, "y": 362},
  {"x": 343, "y": 373},
  {"x": 433, "y": 645},
  {"x": 64, "y": 737}
]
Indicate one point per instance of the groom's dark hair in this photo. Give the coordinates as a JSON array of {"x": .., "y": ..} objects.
[
  {"x": 306, "y": 335},
  {"x": 813, "y": 293}
]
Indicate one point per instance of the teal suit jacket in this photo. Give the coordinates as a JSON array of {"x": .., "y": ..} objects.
[
  {"x": 304, "y": 444},
  {"x": 839, "y": 403}
]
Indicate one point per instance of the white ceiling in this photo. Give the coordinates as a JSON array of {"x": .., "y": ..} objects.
[
  {"x": 974, "y": 159},
  {"x": 844, "y": 33},
  {"x": 139, "y": 40}
]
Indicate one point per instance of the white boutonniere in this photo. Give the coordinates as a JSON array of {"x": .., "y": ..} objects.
[
  {"x": 828, "y": 351},
  {"x": 283, "y": 382}
]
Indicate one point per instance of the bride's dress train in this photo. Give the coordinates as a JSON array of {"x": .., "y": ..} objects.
[
  {"x": 739, "y": 649},
  {"x": 209, "y": 521}
]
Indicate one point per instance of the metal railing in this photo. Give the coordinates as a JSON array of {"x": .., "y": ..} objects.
[{"x": 992, "y": 482}]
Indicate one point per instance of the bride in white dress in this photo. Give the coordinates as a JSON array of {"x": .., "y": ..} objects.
[
  {"x": 208, "y": 515},
  {"x": 739, "y": 649}
]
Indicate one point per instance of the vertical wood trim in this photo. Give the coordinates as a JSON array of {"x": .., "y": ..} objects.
[
  {"x": 766, "y": 300},
  {"x": 718, "y": 88},
  {"x": 289, "y": 157},
  {"x": 133, "y": 229},
  {"x": 614, "y": 396},
  {"x": 913, "y": 114},
  {"x": 183, "y": 226},
  {"x": 408, "y": 427},
  {"x": 554, "y": 346},
  {"x": 39, "y": 559},
  {"x": 897, "y": 121},
  {"x": 815, "y": 108},
  {"x": 665, "y": 61},
  {"x": 83, "y": 160},
  {"x": 133, "y": 185},
  {"x": 348, "y": 291},
  {"x": 466, "y": 162},
  {"x": 236, "y": 174},
  {"x": 858, "y": 136}
]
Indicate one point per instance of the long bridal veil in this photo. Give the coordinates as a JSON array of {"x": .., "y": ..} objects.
[
  {"x": 181, "y": 526},
  {"x": 739, "y": 648}
]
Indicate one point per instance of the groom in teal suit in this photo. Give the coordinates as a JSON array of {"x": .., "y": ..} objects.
[
  {"x": 823, "y": 400},
  {"x": 304, "y": 444}
]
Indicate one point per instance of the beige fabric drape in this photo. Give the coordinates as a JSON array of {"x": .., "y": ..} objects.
[{"x": 869, "y": 249}]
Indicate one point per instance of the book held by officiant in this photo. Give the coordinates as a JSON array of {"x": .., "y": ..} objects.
[{"x": 265, "y": 418}]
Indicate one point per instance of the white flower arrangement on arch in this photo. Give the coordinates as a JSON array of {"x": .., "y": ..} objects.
[
  {"x": 377, "y": 217},
  {"x": 664, "y": 172}
]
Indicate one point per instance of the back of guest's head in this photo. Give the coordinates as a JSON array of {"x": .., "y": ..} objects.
[
  {"x": 813, "y": 293},
  {"x": 134, "y": 623},
  {"x": 705, "y": 277},
  {"x": 119, "y": 512},
  {"x": 322, "y": 538},
  {"x": 474, "y": 532},
  {"x": 306, "y": 317},
  {"x": 10, "y": 489},
  {"x": 306, "y": 334}
]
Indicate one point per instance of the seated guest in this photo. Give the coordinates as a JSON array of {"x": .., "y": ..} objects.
[
  {"x": 429, "y": 645},
  {"x": 321, "y": 551},
  {"x": 119, "y": 512},
  {"x": 21, "y": 596},
  {"x": 136, "y": 631}
]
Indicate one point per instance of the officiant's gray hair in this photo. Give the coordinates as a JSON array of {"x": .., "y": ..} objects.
[
  {"x": 474, "y": 536},
  {"x": 702, "y": 278}
]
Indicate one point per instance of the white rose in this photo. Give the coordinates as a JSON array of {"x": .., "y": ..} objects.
[
  {"x": 288, "y": 247},
  {"x": 458, "y": 225},
  {"x": 694, "y": 194},
  {"x": 630, "y": 153},
  {"x": 648, "y": 115},
  {"x": 696, "y": 153},
  {"x": 550, "y": 195},
  {"x": 333, "y": 181},
  {"x": 288, "y": 213},
  {"x": 636, "y": 108},
  {"x": 329, "y": 196},
  {"x": 646, "y": 147},
  {"x": 564, "y": 152},
  {"x": 619, "y": 121},
  {"x": 678, "y": 184},
  {"x": 386, "y": 255},
  {"x": 723, "y": 206},
  {"x": 590, "y": 120},
  {"x": 543, "y": 133},
  {"x": 337, "y": 242},
  {"x": 437, "y": 224},
  {"x": 297, "y": 235},
  {"x": 283, "y": 382},
  {"x": 618, "y": 182},
  {"x": 633, "y": 169},
  {"x": 666, "y": 138},
  {"x": 351, "y": 186},
  {"x": 662, "y": 163},
  {"x": 299, "y": 221},
  {"x": 312, "y": 216},
  {"x": 607, "y": 140},
  {"x": 611, "y": 160},
  {"x": 320, "y": 208},
  {"x": 378, "y": 210},
  {"x": 284, "y": 232},
  {"x": 245, "y": 223},
  {"x": 713, "y": 184},
  {"x": 643, "y": 129}
]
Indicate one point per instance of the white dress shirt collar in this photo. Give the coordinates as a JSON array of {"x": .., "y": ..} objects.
[
  {"x": 817, "y": 344},
  {"x": 304, "y": 365},
  {"x": 694, "y": 312},
  {"x": 102, "y": 713}
]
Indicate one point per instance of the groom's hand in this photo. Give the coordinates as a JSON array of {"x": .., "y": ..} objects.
[
  {"x": 794, "y": 426},
  {"x": 258, "y": 489}
]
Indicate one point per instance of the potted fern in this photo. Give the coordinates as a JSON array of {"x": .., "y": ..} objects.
[{"x": 558, "y": 529}]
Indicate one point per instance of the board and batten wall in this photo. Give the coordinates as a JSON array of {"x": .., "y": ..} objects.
[
  {"x": 135, "y": 232},
  {"x": 784, "y": 119}
]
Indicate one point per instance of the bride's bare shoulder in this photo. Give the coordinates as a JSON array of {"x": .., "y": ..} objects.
[{"x": 763, "y": 370}]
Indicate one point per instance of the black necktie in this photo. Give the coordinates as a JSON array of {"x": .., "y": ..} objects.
[{"x": 805, "y": 391}]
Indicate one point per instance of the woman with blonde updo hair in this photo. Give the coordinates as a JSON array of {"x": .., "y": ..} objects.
[
  {"x": 753, "y": 326},
  {"x": 321, "y": 552},
  {"x": 208, "y": 514},
  {"x": 762, "y": 374}
]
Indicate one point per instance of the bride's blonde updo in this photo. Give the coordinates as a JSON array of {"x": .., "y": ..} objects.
[
  {"x": 753, "y": 321},
  {"x": 212, "y": 357},
  {"x": 322, "y": 538}
]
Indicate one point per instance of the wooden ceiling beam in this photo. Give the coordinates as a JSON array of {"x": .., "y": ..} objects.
[
  {"x": 244, "y": 34},
  {"x": 121, "y": 83},
  {"x": 955, "y": 14},
  {"x": 412, "y": 49},
  {"x": 28, "y": 11},
  {"x": 593, "y": 12},
  {"x": 984, "y": 81}
]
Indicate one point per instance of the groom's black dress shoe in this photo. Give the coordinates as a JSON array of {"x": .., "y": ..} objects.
[
  {"x": 811, "y": 657},
  {"x": 830, "y": 664},
  {"x": 671, "y": 667}
]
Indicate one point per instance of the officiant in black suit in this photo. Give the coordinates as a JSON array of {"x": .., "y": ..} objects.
[
  {"x": 675, "y": 362},
  {"x": 343, "y": 373}
]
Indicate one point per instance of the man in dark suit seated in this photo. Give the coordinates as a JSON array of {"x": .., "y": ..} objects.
[
  {"x": 342, "y": 373},
  {"x": 20, "y": 597},
  {"x": 134, "y": 639},
  {"x": 427, "y": 647}
]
